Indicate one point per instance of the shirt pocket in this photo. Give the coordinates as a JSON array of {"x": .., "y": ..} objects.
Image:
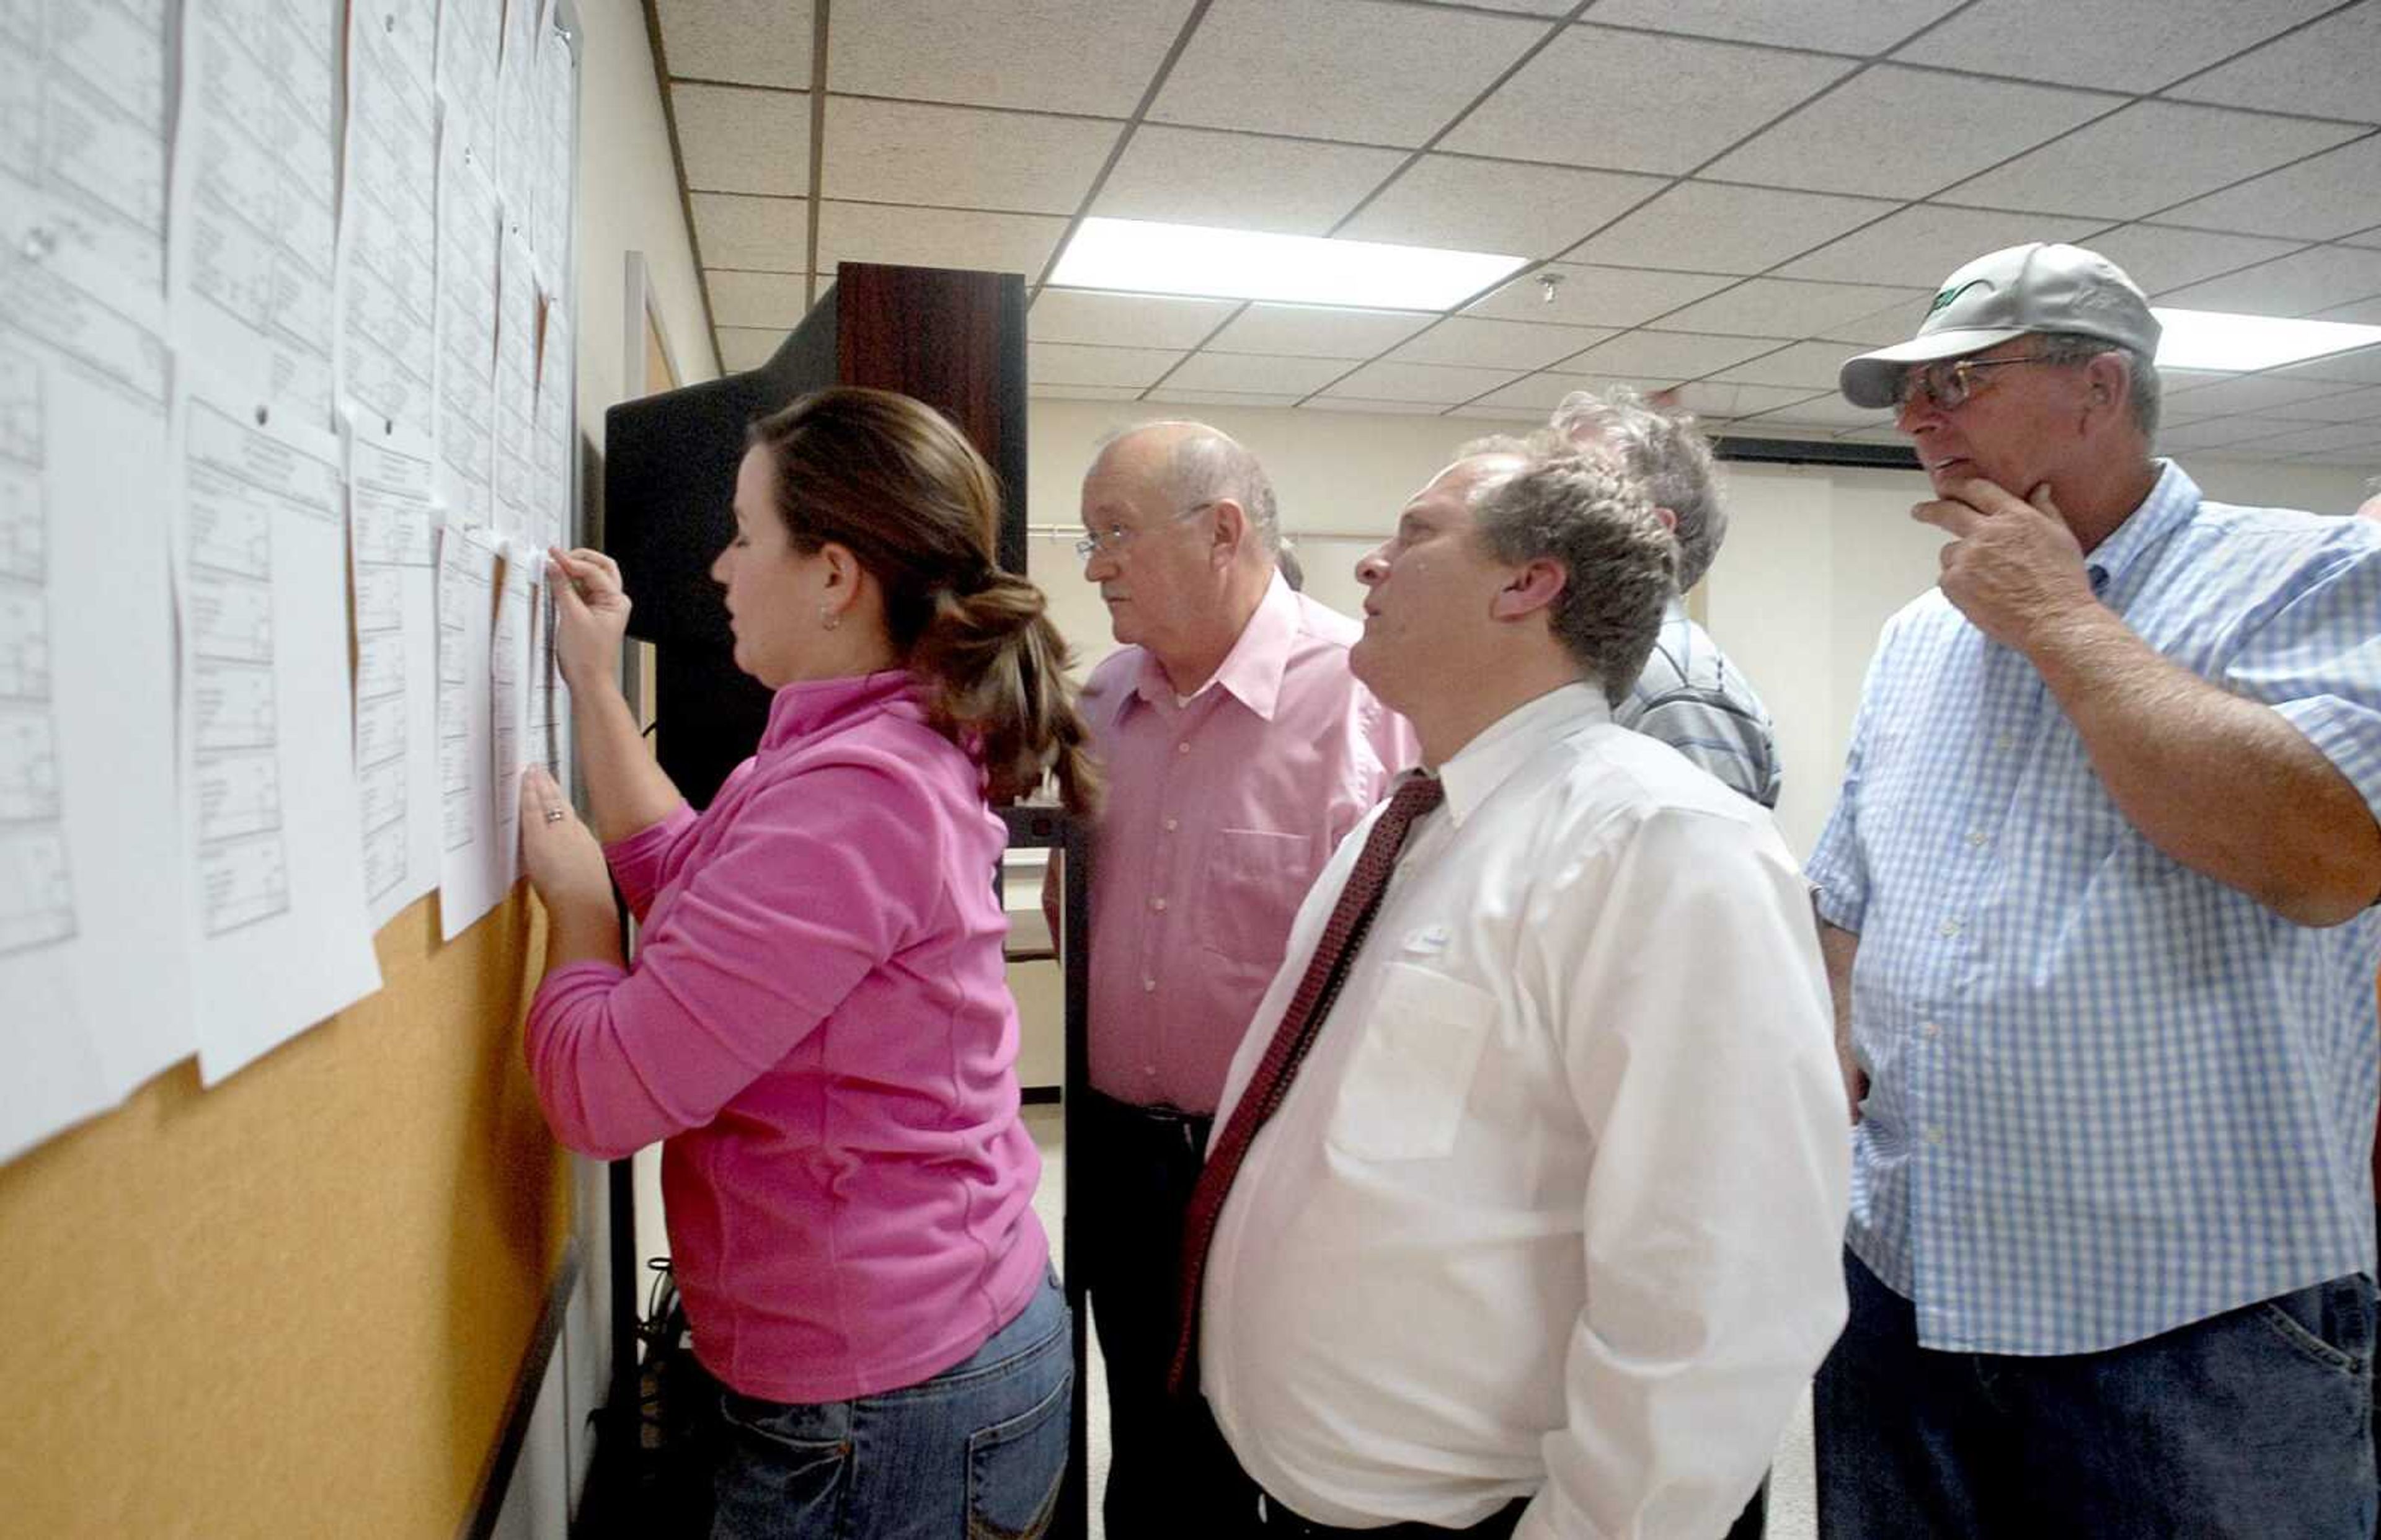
[
  {"x": 1410, "y": 1078},
  {"x": 1250, "y": 892}
]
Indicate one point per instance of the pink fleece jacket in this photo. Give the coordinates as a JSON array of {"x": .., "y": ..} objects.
[{"x": 819, "y": 1024}]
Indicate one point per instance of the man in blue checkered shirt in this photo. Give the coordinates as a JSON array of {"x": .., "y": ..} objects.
[{"x": 2098, "y": 902}]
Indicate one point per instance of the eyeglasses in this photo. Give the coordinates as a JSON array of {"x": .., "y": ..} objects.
[
  {"x": 1949, "y": 382},
  {"x": 1116, "y": 537}
]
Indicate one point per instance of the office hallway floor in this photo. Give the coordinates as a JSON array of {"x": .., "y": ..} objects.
[{"x": 1791, "y": 1515}]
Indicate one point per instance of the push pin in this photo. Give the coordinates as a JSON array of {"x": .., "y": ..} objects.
[
  {"x": 38, "y": 244},
  {"x": 1548, "y": 283}
]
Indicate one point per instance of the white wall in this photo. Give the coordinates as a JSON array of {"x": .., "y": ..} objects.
[{"x": 1816, "y": 558}]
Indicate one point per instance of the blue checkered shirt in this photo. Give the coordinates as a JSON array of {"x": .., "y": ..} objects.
[
  {"x": 1691, "y": 698},
  {"x": 2108, "y": 1096}
]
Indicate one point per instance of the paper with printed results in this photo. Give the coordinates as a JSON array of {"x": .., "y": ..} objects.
[
  {"x": 393, "y": 544},
  {"x": 387, "y": 287},
  {"x": 254, "y": 216},
  {"x": 468, "y": 221},
  {"x": 273, "y": 835},
  {"x": 95, "y": 951},
  {"x": 469, "y": 872},
  {"x": 82, "y": 135}
]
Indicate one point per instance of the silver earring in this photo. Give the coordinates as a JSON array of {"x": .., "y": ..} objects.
[{"x": 828, "y": 617}]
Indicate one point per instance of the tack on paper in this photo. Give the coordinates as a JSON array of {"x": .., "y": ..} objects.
[
  {"x": 393, "y": 543},
  {"x": 253, "y": 222},
  {"x": 275, "y": 838}
]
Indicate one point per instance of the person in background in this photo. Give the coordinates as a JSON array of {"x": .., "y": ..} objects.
[
  {"x": 2097, "y": 901},
  {"x": 1524, "y": 1210},
  {"x": 1237, "y": 749},
  {"x": 818, "y": 1021},
  {"x": 1690, "y": 695}
]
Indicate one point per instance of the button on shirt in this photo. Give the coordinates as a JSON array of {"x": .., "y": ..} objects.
[
  {"x": 1219, "y": 811},
  {"x": 1554, "y": 1203},
  {"x": 1694, "y": 700},
  {"x": 2108, "y": 1096}
]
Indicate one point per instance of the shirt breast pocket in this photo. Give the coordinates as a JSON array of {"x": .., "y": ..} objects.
[
  {"x": 1250, "y": 892},
  {"x": 1410, "y": 1078}
]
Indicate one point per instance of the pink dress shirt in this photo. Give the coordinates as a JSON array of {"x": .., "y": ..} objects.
[
  {"x": 1219, "y": 814},
  {"x": 819, "y": 1024}
]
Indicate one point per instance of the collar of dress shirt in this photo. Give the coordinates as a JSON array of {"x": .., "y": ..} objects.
[
  {"x": 803, "y": 707},
  {"x": 1251, "y": 671},
  {"x": 2171, "y": 500},
  {"x": 1484, "y": 763}
]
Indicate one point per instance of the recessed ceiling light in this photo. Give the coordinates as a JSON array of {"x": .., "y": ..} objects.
[
  {"x": 2214, "y": 340},
  {"x": 1146, "y": 257}
]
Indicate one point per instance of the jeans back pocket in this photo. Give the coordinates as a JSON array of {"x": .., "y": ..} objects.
[{"x": 1015, "y": 1467}]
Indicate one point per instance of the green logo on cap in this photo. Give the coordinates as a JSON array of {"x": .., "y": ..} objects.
[{"x": 1948, "y": 294}]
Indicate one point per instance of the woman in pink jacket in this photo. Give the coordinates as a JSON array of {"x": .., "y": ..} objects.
[{"x": 818, "y": 1022}]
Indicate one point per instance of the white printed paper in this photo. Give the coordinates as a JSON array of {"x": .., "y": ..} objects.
[
  {"x": 470, "y": 36},
  {"x": 551, "y": 201},
  {"x": 468, "y": 224},
  {"x": 515, "y": 392},
  {"x": 82, "y": 135},
  {"x": 269, "y": 788},
  {"x": 254, "y": 181},
  {"x": 393, "y": 537},
  {"x": 471, "y": 879},
  {"x": 386, "y": 282}
]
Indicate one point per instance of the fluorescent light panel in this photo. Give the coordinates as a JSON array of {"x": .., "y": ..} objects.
[
  {"x": 1142, "y": 257},
  {"x": 2214, "y": 340}
]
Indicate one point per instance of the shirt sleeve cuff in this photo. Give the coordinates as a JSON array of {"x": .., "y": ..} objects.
[
  {"x": 2346, "y": 735},
  {"x": 637, "y": 862}
]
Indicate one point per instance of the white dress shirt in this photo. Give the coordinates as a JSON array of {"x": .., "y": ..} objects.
[{"x": 1555, "y": 1203}]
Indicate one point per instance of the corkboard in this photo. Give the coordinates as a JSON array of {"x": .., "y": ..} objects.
[{"x": 295, "y": 1303}]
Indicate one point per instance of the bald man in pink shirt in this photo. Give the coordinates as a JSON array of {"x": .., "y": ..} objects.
[{"x": 1239, "y": 750}]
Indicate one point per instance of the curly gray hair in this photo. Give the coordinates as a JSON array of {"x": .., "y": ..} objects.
[{"x": 1662, "y": 450}]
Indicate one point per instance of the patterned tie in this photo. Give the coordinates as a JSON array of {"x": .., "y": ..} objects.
[{"x": 1301, "y": 1020}]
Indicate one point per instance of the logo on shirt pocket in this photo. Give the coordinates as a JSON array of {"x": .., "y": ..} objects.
[{"x": 1411, "y": 1076}]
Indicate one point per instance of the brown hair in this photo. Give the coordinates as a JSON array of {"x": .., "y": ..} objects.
[{"x": 892, "y": 481}]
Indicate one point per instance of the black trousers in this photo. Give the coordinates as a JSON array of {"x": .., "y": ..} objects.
[{"x": 1170, "y": 1472}]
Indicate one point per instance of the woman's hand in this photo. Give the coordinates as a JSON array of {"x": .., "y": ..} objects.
[
  {"x": 560, "y": 856},
  {"x": 591, "y": 615}
]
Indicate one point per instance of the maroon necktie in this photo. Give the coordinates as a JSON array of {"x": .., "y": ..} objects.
[{"x": 1350, "y": 918}]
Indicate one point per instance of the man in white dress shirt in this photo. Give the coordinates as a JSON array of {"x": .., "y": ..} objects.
[{"x": 1543, "y": 1237}]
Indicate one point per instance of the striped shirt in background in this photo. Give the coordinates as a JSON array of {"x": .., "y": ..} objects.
[
  {"x": 2108, "y": 1096},
  {"x": 1691, "y": 698}
]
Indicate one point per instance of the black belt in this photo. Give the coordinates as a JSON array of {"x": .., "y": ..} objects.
[
  {"x": 1274, "y": 1518},
  {"x": 1168, "y": 1122}
]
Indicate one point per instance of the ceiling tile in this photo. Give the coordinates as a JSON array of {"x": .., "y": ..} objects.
[
  {"x": 960, "y": 157},
  {"x": 2361, "y": 366},
  {"x": 773, "y": 301},
  {"x": 1268, "y": 65},
  {"x": 1831, "y": 26},
  {"x": 997, "y": 52},
  {"x": 1906, "y": 132},
  {"x": 1709, "y": 94},
  {"x": 2146, "y": 157},
  {"x": 762, "y": 43},
  {"x": 1043, "y": 391},
  {"x": 736, "y": 140},
  {"x": 1241, "y": 181},
  {"x": 2267, "y": 394},
  {"x": 1178, "y": 395},
  {"x": 1065, "y": 363},
  {"x": 2158, "y": 258},
  {"x": 1421, "y": 382},
  {"x": 1713, "y": 400},
  {"x": 2311, "y": 280},
  {"x": 1827, "y": 412},
  {"x": 2337, "y": 193},
  {"x": 1256, "y": 372},
  {"x": 1124, "y": 320},
  {"x": 2325, "y": 69},
  {"x": 2356, "y": 438},
  {"x": 1895, "y": 322},
  {"x": 1358, "y": 403},
  {"x": 1894, "y": 436},
  {"x": 936, "y": 238},
  {"x": 2215, "y": 432},
  {"x": 1667, "y": 357},
  {"x": 2366, "y": 238},
  {"x": 1317, "y": 331},
  {"x": 1476, "y": 206},
  {"x": 1919, "y": 246},
  {"x": 1542, "y": 393},
  {"x": 1786, "y": 307},
  {"x": 1466, "y": 339},
  {"x": 1804, "y": 366},
  {"x": 2354, "y": 405},
  {"x": 1706, "y": 227},
  {"x": 2111, "y": 43},
  {"x": 743, "y": 348},
  {"x": 1589, "y": 296},
  {"x": 766, "y": 233},
  {"x": 1525, "y": 7},
  {"x": 2361, "y": 312}
]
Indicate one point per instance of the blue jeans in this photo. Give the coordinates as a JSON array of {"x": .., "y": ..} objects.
[
  {"x": 974, "y": 1453},
  {"x": 2254, "y": 1423}
]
